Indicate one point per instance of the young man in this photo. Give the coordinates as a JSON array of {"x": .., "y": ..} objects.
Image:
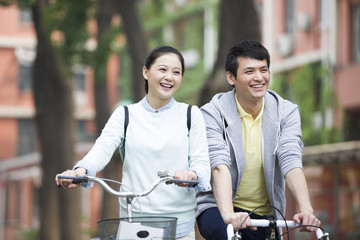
[{"x": 255, "y": 146}]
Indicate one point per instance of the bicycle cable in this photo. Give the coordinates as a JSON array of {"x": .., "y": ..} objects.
[
  {"x": 265, "y": 205},
  {"x": 135, "y": 199},
  {"x": 300, "y": 226}
]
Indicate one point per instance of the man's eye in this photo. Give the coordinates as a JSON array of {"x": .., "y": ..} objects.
[
  {"x": 265, "y": 70},
  {"x": 249, "y": 72}
]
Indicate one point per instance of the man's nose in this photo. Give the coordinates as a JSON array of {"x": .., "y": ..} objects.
[{"x": 258, "y": 75}]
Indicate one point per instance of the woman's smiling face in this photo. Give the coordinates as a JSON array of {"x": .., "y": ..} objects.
[{"x": 164, "y": 78}]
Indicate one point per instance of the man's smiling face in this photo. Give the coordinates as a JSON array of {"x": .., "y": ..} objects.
[{"x": 252, "y": 80}]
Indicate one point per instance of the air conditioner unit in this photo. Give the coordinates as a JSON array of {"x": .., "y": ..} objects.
[
  {"x": 302, "y": 21},
  {"x": 285, "y": 45}
]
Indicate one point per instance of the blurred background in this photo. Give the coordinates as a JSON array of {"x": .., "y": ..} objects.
[{"x": 65, "y": 65}]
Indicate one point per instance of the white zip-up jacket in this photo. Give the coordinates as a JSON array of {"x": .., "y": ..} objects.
[{"x": 281, "y": 144}]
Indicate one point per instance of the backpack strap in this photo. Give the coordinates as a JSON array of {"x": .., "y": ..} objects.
[
  {"x": 126, "y": 121},
  {"x": 189, "y": 118}
]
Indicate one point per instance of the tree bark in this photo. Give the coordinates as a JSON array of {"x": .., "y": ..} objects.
[
  {"x": 238, "y": 21},
  {"x": 59, "y": 209},
  {"x": 110, "y": 204},
  {"x": 137, "y": 45}
]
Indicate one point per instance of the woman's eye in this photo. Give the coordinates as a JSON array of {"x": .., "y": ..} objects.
[{"x": 177, "y": 73}]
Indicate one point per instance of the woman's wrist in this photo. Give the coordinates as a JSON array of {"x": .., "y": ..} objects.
[{"x": 80, "y": 171}]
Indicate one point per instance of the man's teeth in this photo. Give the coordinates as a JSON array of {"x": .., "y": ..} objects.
[{"x": 258, "y": 86}]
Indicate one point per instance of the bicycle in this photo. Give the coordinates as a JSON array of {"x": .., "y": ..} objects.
[
  {"x": 134, "y": 227},
  {"x": 321, "y": 234}
]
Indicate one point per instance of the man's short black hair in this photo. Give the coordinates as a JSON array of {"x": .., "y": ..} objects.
[{"x": 247, "y": 49}]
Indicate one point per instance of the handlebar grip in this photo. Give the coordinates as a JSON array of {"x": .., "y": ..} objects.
[
  {"x": 192, "y": 183},
  {"x": 76, "y": 180}
]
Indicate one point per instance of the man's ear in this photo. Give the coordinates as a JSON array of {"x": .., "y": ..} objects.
[
  {"x": 145, "y": 73},
  {"x": 230, "y": 78}
]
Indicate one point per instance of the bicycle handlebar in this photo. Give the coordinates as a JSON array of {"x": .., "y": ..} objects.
[
  {"x": 320, "y": 234},
  {"x": 163, "y": 177}
]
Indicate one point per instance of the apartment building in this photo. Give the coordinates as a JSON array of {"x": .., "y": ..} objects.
[
  {"x": 20, "y": 173},
  {"x": 324, "y": 33}
]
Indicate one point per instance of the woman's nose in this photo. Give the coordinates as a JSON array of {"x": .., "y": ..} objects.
[{"x": 168, "y": 76}]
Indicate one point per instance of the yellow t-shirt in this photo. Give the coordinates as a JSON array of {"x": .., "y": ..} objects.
[{"x": 252, "y": 190}]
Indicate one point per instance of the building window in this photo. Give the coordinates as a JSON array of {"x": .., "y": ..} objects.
[
  {"x": 353, "y": 130},
  {"x": 26, "y": 137},
  {"x": 259, "y": 9},
  {"x": 290, "y": 17},
  {"x": 13, "y": 210},
  {"x": 79, "y": 81},
  {"x": 25, "y": 15},
  {"x": 25, "y": 76},
  {"x": 81, "y": 130},
  {"x": 319, "y": 12},
  {"x": 357, "y": 33},
  {"x": 79, "y": 77}
]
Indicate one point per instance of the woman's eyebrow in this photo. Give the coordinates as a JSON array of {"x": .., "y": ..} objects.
[{"x": 164, "y": 65}]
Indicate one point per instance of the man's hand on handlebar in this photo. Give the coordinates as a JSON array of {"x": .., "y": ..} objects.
[
  {"x": 184, "y": 175},
  {"x": 307, "y": 218},
  {"x": 239, "y": 220},
  {"x": 67, "y": 183}
]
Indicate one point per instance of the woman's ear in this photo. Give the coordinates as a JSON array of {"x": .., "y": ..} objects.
[
  {"x": 145, "y": 73},
  {"x": 230, "y": 78}
]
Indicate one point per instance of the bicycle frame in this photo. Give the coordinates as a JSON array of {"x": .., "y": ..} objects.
[{"x": 278, "y": 223}]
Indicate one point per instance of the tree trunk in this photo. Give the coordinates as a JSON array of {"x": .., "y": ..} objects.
[
  {"x": 110, "y": 204},
  {"x": 238, "y": 21},
  {"x": 59, "y": 209},
  {"x": 136, "y": 43}
]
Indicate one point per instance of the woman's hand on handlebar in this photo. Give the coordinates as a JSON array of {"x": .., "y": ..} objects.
[
  {"x": 185, "y": 175},
  {"x": 67, "y": 183}
]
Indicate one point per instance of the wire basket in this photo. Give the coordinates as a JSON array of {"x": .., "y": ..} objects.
[{"x": 137, "y": 228}]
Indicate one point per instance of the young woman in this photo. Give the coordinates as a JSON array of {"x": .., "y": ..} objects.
[{"x": 157, "y": 137}]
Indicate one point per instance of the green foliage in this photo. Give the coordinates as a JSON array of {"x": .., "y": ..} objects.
[
  {"x": 309, "y": 89},
  {"x": 7, "y": 2},
  {"x": 70, "y": 18},
  {"x": 30, "y": 234},
  {"x": 106, "y": 47},
  {"x": 125, "y": 75},
  {"x": 154, "y": 15},
  {"x": 186, "y": 24}
]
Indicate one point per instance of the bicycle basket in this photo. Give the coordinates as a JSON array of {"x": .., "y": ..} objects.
[{"x": 137, "y": 228}]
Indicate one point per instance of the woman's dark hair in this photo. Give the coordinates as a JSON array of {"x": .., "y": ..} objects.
[
  {"x": 247, "y": 49},
  {"x": 158, "y": 52}
]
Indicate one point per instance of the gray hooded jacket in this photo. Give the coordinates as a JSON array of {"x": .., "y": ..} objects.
[{"x": 281, "y": 144}]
